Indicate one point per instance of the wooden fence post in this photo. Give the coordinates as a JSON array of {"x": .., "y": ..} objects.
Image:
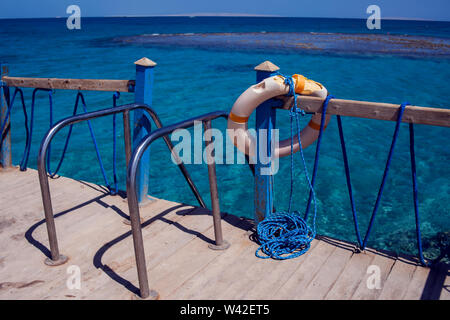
[
  {"x": 142, "y": 124},
  {"x": 265, "y": 120},
  {"x": 5, "y": 136}
]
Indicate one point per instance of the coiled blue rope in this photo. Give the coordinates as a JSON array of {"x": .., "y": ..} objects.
[{"x": 286, "y": 235}]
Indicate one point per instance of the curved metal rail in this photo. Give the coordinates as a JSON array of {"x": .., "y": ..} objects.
[
  {"x": 56, "y": 258},
  {"x": 133, "y": 204}
]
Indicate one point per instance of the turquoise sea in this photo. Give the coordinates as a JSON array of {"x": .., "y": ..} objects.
[{"x": 192, "y": 78}]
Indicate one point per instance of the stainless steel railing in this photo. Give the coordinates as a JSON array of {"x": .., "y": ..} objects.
[{"x": 56, "y": 257}]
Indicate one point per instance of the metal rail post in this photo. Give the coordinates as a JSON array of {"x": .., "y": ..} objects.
[
  {"x": 265, "y": 120},
  {"x": 127, "y": 136},
  {"x": 57, "y": 258},
  {"x": 132, "y": 194},
  {"x": 220, "y": 244}
]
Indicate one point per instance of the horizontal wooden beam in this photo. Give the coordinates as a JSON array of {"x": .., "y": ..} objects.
[
  {"x": 376, "y": 110},
  {"x": 350, "y": 108},
  {"x": 71, "y": 84}
]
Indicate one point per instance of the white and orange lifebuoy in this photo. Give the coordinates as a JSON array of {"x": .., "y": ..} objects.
[{"x": 269, "y": 88}]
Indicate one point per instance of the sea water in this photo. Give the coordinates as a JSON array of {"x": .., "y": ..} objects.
[{"x": 195, "y": 79}]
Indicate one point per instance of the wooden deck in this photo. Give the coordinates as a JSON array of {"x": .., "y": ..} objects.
[{"x": 92, "y": 233}]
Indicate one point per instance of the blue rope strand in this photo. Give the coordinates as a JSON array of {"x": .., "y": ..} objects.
[
  {"x": 285, "y": 235},
  {"x": 415, "y": 192},
  {"x": 362, "y": 244},
  {"x": 29, "y": 131},
  {"x": 26, "y": 154},
  {"x": 316, "y": 159},
  {"x": 10, "y": 104},
  {"x": 349, "y": 182},
  {"x": 94, "y": 140},
  {"x": 79, "y": 97},
  {"x": 66, "y": 143},
  {"x": 386, "y": 171}
]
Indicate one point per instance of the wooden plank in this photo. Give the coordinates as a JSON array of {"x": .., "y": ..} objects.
[
  {"x": 326, "y": 277},
  {"x": 385, "y": 264},
  {"x": 437, "y": 283},
  {"x": 249, "y": 268},
  {"x": 378, "y": 110},
  {"x": 348, "y": 281},
  {"x": 171, "y": 273},
  {"x": 271, "y": 281},
  {"x": 445, "y": 292},
  {"x": 71, "y": 84},
  {"x": 107, "y": 282},
  {"x": 305, "y": 273},
  {"x": 159, "y": 246},
  {"x": 254, "y": 270},
  {"x": 81, "y": 244},
  {"x": 398, "y": 281},
  {"x": 206, "y": 280},
  {"x": 417, "y": 284},
  {"x": 179, "y": 263}
]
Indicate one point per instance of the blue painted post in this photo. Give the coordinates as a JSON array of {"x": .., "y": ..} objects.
[
  {"x": 5, "y": 137},
  {"x": 265, "y": 120},
  {"x": 141, "y": 121}
]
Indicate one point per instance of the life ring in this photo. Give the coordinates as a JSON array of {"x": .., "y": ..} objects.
[{"x": 269, "y": 88}]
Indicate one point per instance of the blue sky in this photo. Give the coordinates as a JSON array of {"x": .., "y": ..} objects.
[{"x": 410, "y": 9}]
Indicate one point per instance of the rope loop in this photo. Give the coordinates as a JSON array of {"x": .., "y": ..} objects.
[
  {"x": 294, "y": 110},
  {"x": 286, "y": 235},
  {"x": 363, "y": 242}
]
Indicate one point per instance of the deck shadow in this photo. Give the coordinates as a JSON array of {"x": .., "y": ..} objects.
[
  {"x": 39, "y": 245},
  {"x": 97, "y": 260},
  {"x": 435, "y": 282}
]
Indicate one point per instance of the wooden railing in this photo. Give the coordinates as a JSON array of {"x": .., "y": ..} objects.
[
  {"x": 71, "y": 84},
  {"x": 265, "y": 119},
  {"x": 377, "y": 110},
  {"x": 141, "y": 87}
]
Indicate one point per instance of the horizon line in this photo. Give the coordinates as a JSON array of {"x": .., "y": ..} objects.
[{"x": 226, "y": 15}]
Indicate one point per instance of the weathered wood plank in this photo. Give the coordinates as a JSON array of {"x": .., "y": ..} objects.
[
  {"x": 207, "y": 279},
  {"x": 397, "y": 283},
  {"x": 437, "y": 284},
  {"x": 179, "y": 263},
  {"x": 378, "y": 110},
  {"x": 273, "y": 280},
  {"x": 417, "y": 284},
  {"x": 71, "y": 84},
  {"x": 385, "y": 264},
  {"x": 350, "y": 278},
  {"x": 445, "y": 288},
  {"x": 305, "y": 273},
  {"x": 326, "y": 277},
  {"x": 101, "y": 253},
  {"x": 171, "y": 273}
]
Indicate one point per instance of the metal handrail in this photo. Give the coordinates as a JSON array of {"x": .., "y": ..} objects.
[
  {"x": 133, "y": 204},
  {"x": 56, "y": 257}
]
